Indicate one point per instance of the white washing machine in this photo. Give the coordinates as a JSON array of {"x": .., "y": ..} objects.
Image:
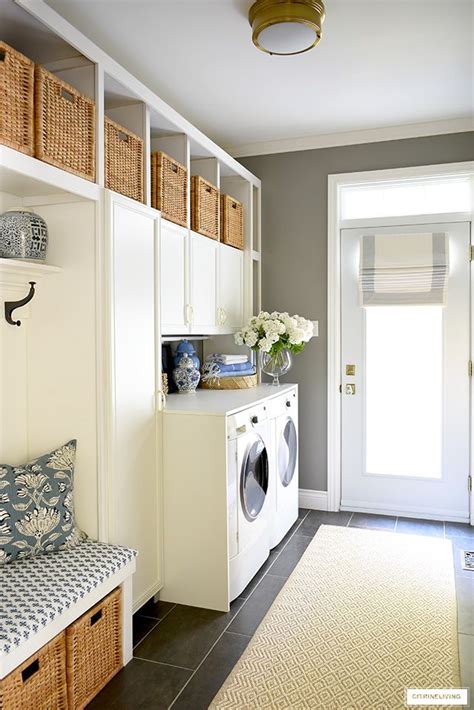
[
  {"x": 218, "y": 466},
  {"x": 250, "y": 462},
  {"x": 283, "y": 412}
]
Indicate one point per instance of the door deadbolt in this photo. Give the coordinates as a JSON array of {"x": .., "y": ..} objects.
[
  {"x": 350, "y": 370},
  {"x": 350, "y": 389}
]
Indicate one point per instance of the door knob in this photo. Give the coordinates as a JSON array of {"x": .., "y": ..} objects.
[{"x": 350, "y": 389}]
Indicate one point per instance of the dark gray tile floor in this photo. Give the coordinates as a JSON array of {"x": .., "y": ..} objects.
[{"x": 184, "y": 654}]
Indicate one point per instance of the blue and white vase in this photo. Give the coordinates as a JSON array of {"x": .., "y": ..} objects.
[
  {"x": 23, "y": 235},
  {"x": 186, "y": 347},
  {"x": 186, "y": 375}
]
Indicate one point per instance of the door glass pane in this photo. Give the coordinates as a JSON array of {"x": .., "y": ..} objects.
[
  {"x": 405, "y": 197},
  {"x": 254, "y": 479},
  {"x": 404, "y": 375}
]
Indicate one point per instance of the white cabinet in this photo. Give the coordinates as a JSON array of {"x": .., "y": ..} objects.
[
  {"x": 133, "y": 490},
  {"x": 201, "y": 284},
  {"x": 230, "y": 312},
  {"x": 173, "y": 279},
  {"x": 203, "y": 263}
]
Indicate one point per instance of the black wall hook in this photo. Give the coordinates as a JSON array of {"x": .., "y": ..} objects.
[{"x": 10, "y": 306}]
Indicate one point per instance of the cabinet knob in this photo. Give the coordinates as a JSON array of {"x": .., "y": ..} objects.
[
  {"x": 254, "y": 419},
  {"x": 288, "y": 403}
]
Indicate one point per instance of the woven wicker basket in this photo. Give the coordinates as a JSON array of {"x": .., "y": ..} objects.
[
  {"x": 16, "y": 100},
  {"x": 123, "y": 161},
  {"x": 204, "y": 207},
  {"x": 94, "y": 650},
  {"x": 40, "y": 682},
  {"x": 64, "y": 125},
  {"x": 169, "y": 188},
  {"x": 232, "y": 222},
  {"x": 241, "y": 382}
]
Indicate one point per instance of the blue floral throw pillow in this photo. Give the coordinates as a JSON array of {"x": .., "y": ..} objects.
[{"x": 36, "y": 505}]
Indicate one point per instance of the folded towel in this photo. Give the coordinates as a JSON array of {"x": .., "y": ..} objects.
[
  {"x": 243, "y": 373},
  {"x": 212, "y": 370},
  {"x": 229, "y": 359},
  {"x": 238, "y": 367}
]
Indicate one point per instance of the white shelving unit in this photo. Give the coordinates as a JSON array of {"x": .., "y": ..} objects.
[{"x": 68, "y": 355}]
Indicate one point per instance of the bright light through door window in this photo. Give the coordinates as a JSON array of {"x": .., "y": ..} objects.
[
  {"x": 406, "y": 197},
  {"x": 404, "y": 398}
]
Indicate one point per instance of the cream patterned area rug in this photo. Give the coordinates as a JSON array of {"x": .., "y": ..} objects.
[{"x": 364, "y": 615}]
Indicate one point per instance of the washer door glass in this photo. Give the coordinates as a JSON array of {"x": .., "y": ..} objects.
[
  {"x": 254, "y": 479},
  {"x": 287, "y": 450}
]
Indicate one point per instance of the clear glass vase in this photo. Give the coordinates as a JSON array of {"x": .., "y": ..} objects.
[{"x": 276, "y": 364}]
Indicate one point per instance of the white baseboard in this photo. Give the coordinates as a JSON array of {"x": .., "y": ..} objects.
[
  {"x": 314, "y": 500},
  {"x": 455, "y": 516}
]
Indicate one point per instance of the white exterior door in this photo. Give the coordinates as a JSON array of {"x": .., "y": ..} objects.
[
  {"x": 406, "y": 390},
  {"x": 231, "y": 295}
]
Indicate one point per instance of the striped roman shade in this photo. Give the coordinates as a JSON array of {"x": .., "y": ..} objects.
[{"x": 403, "y": 269}]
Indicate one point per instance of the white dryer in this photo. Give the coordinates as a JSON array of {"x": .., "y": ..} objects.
[
  {"x": 284, "y": 476},
  {"x": 250, "y": 462}
]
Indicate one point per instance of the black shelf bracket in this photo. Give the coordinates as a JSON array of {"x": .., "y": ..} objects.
[{"x": 10, "y": 306}]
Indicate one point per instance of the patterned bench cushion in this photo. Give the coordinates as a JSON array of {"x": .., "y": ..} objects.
[{"x": 36, "y": 590}]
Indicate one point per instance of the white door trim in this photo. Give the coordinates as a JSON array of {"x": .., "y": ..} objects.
[{"x": 335, "y": 183}]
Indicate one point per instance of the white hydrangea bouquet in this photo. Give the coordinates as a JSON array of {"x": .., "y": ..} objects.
[{"x": 275, "y": 336}]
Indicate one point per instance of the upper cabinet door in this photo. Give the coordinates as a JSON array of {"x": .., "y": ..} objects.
[
  {"x": 203, "y": 284},
  {"x": 231, "y": 295},
  {"x": 173, "y": 281}
]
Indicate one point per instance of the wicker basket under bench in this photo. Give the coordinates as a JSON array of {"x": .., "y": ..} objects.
[{"x": 60, "y": 644}]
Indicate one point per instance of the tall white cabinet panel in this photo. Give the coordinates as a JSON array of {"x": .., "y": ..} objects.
[
  {"x": 133, "y": 495},
  {"x": 231, "y": 296},
  {"x": 173, "y": 280},
  {"x": 203, "y": 284}
]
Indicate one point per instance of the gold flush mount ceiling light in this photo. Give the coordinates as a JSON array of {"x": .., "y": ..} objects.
[{"x": 286, "y": 26}]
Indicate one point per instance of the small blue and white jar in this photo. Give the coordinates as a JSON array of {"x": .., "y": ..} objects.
[
  {"x": 186, "y": 347},
  {"x": 23, "y": 235},
  {"x": 186, "y": 375}
]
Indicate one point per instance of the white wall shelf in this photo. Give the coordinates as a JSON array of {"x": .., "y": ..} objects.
[
  {"x": 26, "y": 269},
  {"x": 25, "y": 176},
  {"x": 18, "y": 270}
]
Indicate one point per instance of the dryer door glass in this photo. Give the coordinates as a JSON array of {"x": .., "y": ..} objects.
[
  {"x": 287, "y": 452},
  {"x": 254, "y": 479}
]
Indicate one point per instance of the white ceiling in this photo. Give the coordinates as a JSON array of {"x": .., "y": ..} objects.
[{"x": 380, "y": 63}]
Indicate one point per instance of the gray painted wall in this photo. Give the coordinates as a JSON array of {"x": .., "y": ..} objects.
[{"x": 294, "y": 217}]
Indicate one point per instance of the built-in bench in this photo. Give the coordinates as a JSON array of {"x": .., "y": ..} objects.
[{"x": 41, "y": 596}]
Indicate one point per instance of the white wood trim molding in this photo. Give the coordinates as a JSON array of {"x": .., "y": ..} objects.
[
  {"x": 333, "y": 140},
  {"x": 314, "y": 500},
  {"x": 335, "y": 183},
  {"x": 334, "y": 348}
]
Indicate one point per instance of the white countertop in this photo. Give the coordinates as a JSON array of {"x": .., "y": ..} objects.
[{"x": 221, "y": 402}]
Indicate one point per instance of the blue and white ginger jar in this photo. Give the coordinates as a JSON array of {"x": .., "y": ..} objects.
[
  {"x": 186, "y": 347},
  {"x": 23, "y": 235},
  {"x": 186, "y": 375}
]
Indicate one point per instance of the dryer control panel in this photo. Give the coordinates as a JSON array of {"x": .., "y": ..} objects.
[{"x": 247, "y": 420}]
